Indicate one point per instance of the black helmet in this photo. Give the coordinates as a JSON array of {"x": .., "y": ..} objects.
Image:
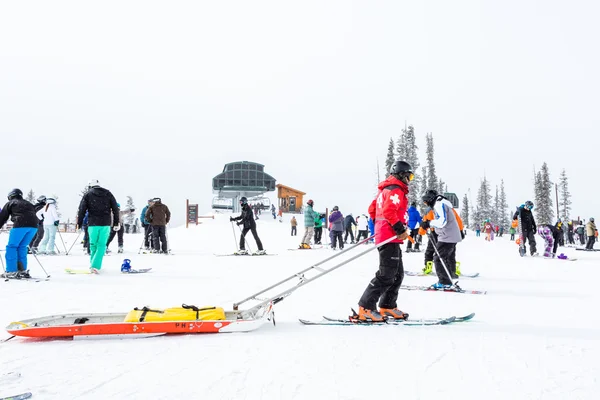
[
  {"x": 243, "y": 200},
  {"x": 41, "y": 199},
  {"x": 400, "y": 167},
  {"x": 529, "y": 204},
  {"x": 592, "y": 219},
  {"x": 430, "y": 197},
  {"x": 336, "y": 208},
  {"x": 15, "y": 193}
]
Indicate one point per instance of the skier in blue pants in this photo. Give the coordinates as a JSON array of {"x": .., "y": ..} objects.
[{"x": 25, "y": 222}]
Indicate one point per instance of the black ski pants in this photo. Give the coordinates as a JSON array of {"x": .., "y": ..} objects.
[
  {"x": 254, "y": 234},
  {"x": 429, "y": 251},
  {"x": 86, "y": 239},
  {"x": 119, "y": 235},
  {"x": 590, "y": 242},
  {"x": 362, "y": 234},
  {"x": 318, "y": 235},
  {"x": 159, "y": 236},
  {"x": 336, "y": 236},
  {"x": 294, "y": 231},
  {"x": 531, "y": 236},
  {"x": 384, "y": 287},
  {"x": 38, "y": 237},
  {"x": 147, "y": 235},
  {"x": 447, "y": 254},
  {"x": 581, "y": 238},
  {"x": 349, "y": 231},
  {"x": 413, "y": 234},
  {"x": 570, "y": 238}
]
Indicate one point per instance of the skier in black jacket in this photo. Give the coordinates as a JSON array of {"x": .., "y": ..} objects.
[
  {"x": 528, "y": 226},
  {"x": 349, "y": 222},
  {"x": 41, "y": 203},
  {"x": 247, "y": 219},
  {"x": 25, "y": 222}
]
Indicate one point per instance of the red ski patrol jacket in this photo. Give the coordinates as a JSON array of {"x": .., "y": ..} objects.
[{"x": 389, "y": 208}]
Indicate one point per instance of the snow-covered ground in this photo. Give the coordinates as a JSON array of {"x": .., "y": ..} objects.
[{"x": 535, "y": 335}]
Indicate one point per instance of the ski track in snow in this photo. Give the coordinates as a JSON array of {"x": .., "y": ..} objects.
[{"x": 535, "y": 335}]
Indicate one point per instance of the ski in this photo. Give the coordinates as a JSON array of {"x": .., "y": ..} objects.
[
  {"x": 78, "y": 271},
  {"x": 9, "y": 376},
  {"x": 587, "y": 249},
  {"x": 409, "y": 322},
  {"x": 522, "y": 249},
  {"x": 243, "y": 255},
  {"x": 451, "y": 290},
  {"x": 30, "y": 279},
  {"x": 136, "y": 271},
  {"x": 21, "y": 396},
  {"x": 415, "y": 273}
]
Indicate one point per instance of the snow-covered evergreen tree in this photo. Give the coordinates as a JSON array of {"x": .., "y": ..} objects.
[
  {"x": 390, "y": 158},
  {"x": 441, "y": 187},
  {"x": 503, "y": 212},
  {"x": 424, "y": 188},
  {"x": 84, "y": 191},
  {"x": 431, "y": 176},
  {"x": 407, "y": 151},
  {"x": 494, "y": 214},
  {"x": 30, "y": 196},
  {"x": 464, "y": 211},
  {"x": 130, "y": 219},
  {"x": 55, "y": 197},
  {"x": 484, "y": 203},
  {"x": 544, "y": 214},
  {"x": 565, "y": 197}
]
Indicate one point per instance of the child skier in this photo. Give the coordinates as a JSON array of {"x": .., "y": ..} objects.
[
  {"x": 413, "y": 220},
  {"x": 336, "y": 219},
  {"x": 550, "y": 234},
  {"x": 389, "y": 212},
  {"x": 528, "y": 226},
  {"x": 246, "y": 219},
  {"x": 50, "y": 217},
  {"x": 25, "y": 222}
]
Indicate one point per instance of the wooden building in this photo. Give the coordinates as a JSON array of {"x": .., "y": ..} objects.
[{"x": 290, "y": 199}]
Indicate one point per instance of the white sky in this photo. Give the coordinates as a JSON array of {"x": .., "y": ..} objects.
[{"x": 153, "y": 98}]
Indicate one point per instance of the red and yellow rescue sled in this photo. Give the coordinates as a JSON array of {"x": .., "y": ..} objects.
[{"x": 143, "y": 322}]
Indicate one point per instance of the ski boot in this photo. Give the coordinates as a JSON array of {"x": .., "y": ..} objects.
[
  {"x": 242, "y": 252},
  {"x": 10, "y": 275},
  {"x": 365, "y": 315},
  {"x": 458, "y": 268},
  {"x": 441, "y": 286},
  {"x": 304, "y": 246},
  {"x": 428, "y": 268},
  {"x": 394, "y": 313},
  {"x": 94, "y": 271},
  {"x": 23, "y": 274},
  {"x": 120, "y": 251},
  {"x": 108, "y": 251},
  {"x": 126, "y": 266},
  {"x": 535, "y": 254},
  {"x": 260, "y": 253}
]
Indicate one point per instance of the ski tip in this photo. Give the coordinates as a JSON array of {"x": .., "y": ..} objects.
[{"x": 467, "y": 317}]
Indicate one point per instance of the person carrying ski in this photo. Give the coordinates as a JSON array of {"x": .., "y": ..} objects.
[
  {"x": 25, "y": 225},
  {"x": 336, "y": 219},
  {"x": 413, "y": 220},
  {"x": 50, "y": 217},
  {"x": 100, "y": 204},
  {"x": 449, "y": 233},
  {"x": 591, "y": 234},
  {"x": 309, "y": 225},
  {"x": 41, "y": 203},
  {"x": 246, "y": 219},
  {"x": 349, "y": 223},
  {"x": 550, "y": 234},
  {"x": 147, "y": 226},
  {"x": 388, "y": 210},
  {"x": 294, "y": 223},
  {"x": 363, "y": 227},
  {"x": 158, "y": 215},
  {"x": 318, "y": 228},
  {"x": 528, "y": 226}
]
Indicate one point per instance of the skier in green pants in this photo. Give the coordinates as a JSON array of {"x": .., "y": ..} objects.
[{"x": 99, "y": 203}]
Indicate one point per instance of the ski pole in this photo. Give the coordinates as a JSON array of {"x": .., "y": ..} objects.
[
  {"x": 38, "y": 260},
  {"x": 76, "y": 239},
  {"x": 143, "y": 241},
  {"x": 234, "y": 238},
  {"x": 2, "y": 261},
  {"x": 61, "y": 239},
  {"x": 441, "y": 259},
  {"x": 245, "y": 241}
]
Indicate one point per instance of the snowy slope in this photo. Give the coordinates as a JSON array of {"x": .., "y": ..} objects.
[{"x": 535, "y": 335}]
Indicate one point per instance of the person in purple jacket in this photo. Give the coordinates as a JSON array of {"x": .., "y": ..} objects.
[{"x": 336, "y": 220}]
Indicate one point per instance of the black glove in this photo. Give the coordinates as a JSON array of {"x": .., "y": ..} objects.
[
  {"x": 56, "y": 223},
  {"x": 132, "y": 209},
  {"x": 230, "y": 219},
  {"x": 399, "y": 228},
  {"x": 462, "y": 234},
  {"x": 425, "y": 225}
]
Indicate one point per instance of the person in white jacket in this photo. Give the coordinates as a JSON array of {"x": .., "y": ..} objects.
[
  {"x": 51, "y": 222},
  {"x": 363, "y": 227}
]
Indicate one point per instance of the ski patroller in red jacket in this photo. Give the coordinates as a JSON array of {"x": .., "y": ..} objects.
[{"x": 389, "y": 208}]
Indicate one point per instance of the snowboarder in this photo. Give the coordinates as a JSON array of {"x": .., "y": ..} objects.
[
  {"x": 294, "y": 223},
  {"x": 100, "y": 204},
  {"x": 41, "y": 203},
  {"x": 349, "y": 224},
  {"x": 246, "y": 219},
  {"x": 318, "y": 228},
  {"x": 50, "y": 217},
  {"x": 550, "y": 234},
  {"x": 158, "y": 215},
  {"x": 449, "y": 233},
  {"x": 413, "y": 220},
  {"x": 528, "y": 226},
  {"x": 121, "y": 230},
  {"x": 591, "y": 234},
  {"x": 147, "y": 226},
  {"x": 25, "y": 225},
  {"x": 336, "y": 229},
  {"x": 309, "y": 225},
  {"x": 363, "y": 227},
  {"x": 388, "y": 210}
]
